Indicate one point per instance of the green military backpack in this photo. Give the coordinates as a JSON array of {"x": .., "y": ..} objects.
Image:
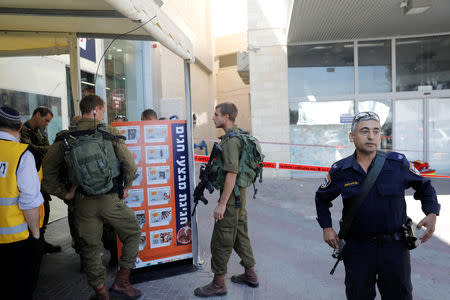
[
  {"x": 250, "y": 162},
  {"x": 91, "y": 161}
]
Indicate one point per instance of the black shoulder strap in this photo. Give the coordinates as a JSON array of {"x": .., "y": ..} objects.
[{"x": 347, "y": 220}]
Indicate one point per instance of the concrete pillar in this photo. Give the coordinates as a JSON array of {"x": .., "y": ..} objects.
[
  {"x": 75, "y": 76},
  {"x": 267, "y": 36}
]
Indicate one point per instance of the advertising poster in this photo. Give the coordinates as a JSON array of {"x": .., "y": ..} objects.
[{"x": 159, "y": 195}]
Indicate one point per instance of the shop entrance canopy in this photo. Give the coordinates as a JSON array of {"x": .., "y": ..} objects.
[{"x": 29, "y": 27}]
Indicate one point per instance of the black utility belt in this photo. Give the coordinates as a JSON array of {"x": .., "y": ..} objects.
[{"x": 378, "y": 238}]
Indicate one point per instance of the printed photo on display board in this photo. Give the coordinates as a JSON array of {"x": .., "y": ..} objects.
[
  {"x": 156, "y": 154},
  {"x": 156, "y": 133},
  {"x": 136, "y": 152},
  {"x": 184, "y": 235},
  {"x": 143, "y": 241},
  {"x": 158, "y": 175},
  {"x": 160, "y": 216},
  {"x": 131, "y": 133},
  {"x": 135, "y": 198},
  {"x": 140, "y": 216},
  {"x": 161, "y": 238},
  {"x": 158, "y": 195},
  {"x": 138, "y": 177}
]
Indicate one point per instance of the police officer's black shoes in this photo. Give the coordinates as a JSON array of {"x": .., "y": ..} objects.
[
  {"x": 49, "y": 248},
  {"x": 249, "y": 278},
  {"x": 216, "y": 288}
]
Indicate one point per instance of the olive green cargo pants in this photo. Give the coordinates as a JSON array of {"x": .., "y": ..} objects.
[
  {"x": 231, "y": 233},
  {"x": 90, "y": 214}
]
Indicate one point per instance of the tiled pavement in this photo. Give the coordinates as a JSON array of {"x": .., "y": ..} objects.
[{"x": 292, "y": 260}]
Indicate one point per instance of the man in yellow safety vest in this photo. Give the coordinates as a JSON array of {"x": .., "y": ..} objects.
[{"x": 20, "y": 206}]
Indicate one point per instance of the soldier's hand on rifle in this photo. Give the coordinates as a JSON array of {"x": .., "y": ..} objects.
[
  {"x": 71, "y": 194},
  {"x": 330, "y": 237},
  {"x": 219, "y": 211}
]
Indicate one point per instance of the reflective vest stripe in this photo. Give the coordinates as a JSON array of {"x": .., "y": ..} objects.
[
  {"x": 14, "y": 229},
  {"x": 9, "y": 201}
]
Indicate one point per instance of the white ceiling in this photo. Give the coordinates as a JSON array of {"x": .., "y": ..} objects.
[{"x": 332, "y": 20}]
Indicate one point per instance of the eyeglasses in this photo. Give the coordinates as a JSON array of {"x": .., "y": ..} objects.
[{"x": 365, "y": 116}]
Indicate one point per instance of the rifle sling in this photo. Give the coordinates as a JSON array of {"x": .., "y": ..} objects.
[
  {"x": 106, "y": 135},
  {"x": 348, "y": 218}
]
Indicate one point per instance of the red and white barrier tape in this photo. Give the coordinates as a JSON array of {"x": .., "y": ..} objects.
[
  {"x": 326, "y": 146},
  {"x": 284, "y": 166}
]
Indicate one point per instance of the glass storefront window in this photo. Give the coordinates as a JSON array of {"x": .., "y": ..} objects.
[
  {"x": 124, "y": 79},
  {"x": 423, "y": 63},
  {"x": 87, "y": 83},
  {"x": 383, "y": 108},
  {"x": 321, "y": 70},
  {"x": 374, "y": 66},
  {"x": 25, "y": 103},
  {"x": 408, "y": 129},
  {"x": 439, "y": 135},
  {"x": 320, "y": 136}
]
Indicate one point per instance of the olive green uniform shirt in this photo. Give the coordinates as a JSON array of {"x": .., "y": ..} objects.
[
  {"x": 34, "y": 137},
  {"x": 54, "y": 165}
]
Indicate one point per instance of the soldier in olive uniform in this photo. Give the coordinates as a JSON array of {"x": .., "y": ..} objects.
[
  {"x": 92, "y": 211},
  {"x": 230, "y": 230},
  {"x": 32, "y": 133}
]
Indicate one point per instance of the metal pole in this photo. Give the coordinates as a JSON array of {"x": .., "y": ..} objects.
[
  {"x": 187, "y": 86},
  {"x": 75, "y": 77}
]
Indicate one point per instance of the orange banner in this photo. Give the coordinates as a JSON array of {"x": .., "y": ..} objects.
[{"x": 160, "y": 195}]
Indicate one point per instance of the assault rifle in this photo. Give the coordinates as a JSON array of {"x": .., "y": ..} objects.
[
  {"x": 205, "y": 178},
  {"x": 337, "y": 254}
]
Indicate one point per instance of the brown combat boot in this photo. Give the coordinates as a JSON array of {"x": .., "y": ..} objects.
[
  {"x": 122, "y": 285},
  {"x": 216, "y": 288},
  {"x": 101, "y": 293},
  {"x": 249, "y": 278}
]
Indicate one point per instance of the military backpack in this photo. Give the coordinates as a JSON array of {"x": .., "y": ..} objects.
[
  {"x": 250, "y": 163},
  {"x": 90, "y": 158}
]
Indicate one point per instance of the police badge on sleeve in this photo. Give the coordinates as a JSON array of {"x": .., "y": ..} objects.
[
  {"x": 326, "y": 181},
  {"x": 413, "y": 169}
]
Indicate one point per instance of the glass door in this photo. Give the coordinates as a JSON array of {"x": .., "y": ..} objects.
[
  {"x": 409, "y": 128},
  {"x": 439, "y": 134}
]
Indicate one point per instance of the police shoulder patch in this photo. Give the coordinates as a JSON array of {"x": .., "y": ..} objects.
[
  {"x": 326, "y": 181},
  {"x": 413, "y": 169}
]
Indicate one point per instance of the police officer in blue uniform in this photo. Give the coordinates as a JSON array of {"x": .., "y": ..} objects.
[{"x": 375, "y": 252}]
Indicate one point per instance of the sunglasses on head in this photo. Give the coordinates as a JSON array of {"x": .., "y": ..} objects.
[{"x": 365, "y": 116}]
